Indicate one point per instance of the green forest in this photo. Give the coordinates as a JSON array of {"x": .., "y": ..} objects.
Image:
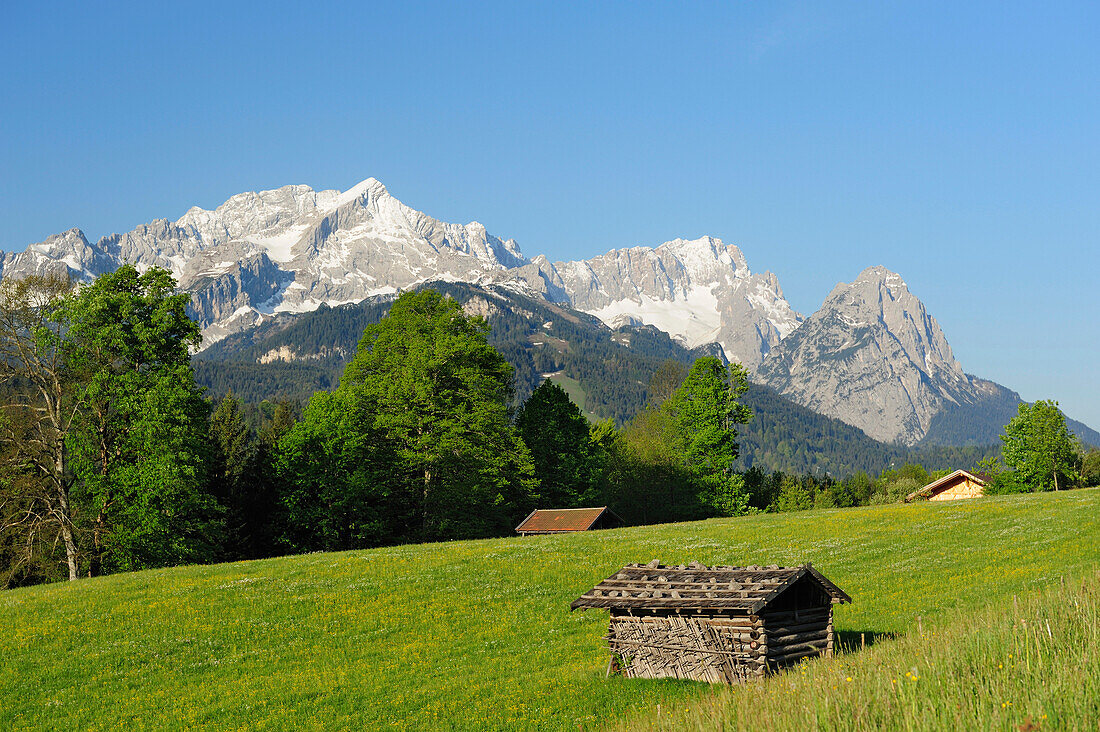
[
  {"x": 119, "y": 452},
  {"x": 608, "y": 373}
]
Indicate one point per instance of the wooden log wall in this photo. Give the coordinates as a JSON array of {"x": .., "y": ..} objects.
[
  {"x": 718, "y": 650},
  {"x": 797, "y": 634}
]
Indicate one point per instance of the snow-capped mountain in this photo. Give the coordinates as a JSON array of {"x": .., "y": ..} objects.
[
  {"x": 289, "y": 249},
  {"x": 873, "y": 357},
  {"x": 699, "y": 291},
  {"x": 293, "y": 248}
]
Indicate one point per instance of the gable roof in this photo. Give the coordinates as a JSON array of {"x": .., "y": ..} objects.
[
  {"x": 697, "y": 587},
  {"x": 946, "y": 482},
  {"x": 553, "y": 520}
]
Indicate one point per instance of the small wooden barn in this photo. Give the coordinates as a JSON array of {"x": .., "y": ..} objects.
[
  {"x": 716, "y": 624},
  {"x": 957, "y": 485},
  {"x": 564, "y": 520}
]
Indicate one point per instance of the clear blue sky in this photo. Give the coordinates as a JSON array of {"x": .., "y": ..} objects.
[{"x": 956, "y": 143}]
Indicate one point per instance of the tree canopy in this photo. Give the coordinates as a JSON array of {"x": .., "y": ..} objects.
[
  {"x": 139, "y": 443},
  {"x": 1039, "y": 449},
  {"x": 567, "y": 463},
  {"x": 706, "y": 412},
  {"x": 102, "y": 400},
  {"x": 418, "y": 434}
]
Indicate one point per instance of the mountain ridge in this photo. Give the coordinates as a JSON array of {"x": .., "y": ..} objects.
[
  {"x": 292, "y": 248},
  {"x": 871, "y": 356}
]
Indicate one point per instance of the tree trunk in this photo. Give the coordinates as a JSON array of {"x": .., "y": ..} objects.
[
  {"x": 424, "y": 504},
  {"x": 95, "y": 562},
  {"x": 70, "y": 552},
  {"x": 67, "y": 532},
  {"x": 66, "y": 517}
]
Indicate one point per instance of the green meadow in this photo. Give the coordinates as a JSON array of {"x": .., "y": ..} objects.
[{"x": 478, "y": 635}]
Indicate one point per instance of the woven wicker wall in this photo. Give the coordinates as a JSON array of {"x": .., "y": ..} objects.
[{"x": 718, "y": 650}]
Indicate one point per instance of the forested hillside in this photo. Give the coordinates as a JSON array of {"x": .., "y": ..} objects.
[
  {"x": 113, "y": 459},
  {"x": 291, "y": 357}
]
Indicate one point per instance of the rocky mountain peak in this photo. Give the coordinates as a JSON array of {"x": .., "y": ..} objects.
[
  {"x": 872, "y": 356},
  {"x": 707, "y": 257},
  {"x": 371, "y": 189},
  {"x": 292, "y": 248},
  {"x": 882, "y": 295},
  {"x": 697, "y": 290}
]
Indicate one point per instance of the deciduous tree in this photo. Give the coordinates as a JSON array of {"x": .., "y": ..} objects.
[
  {"x": 419, "y": 424},
  {"x": 1039, "y": 448},
  {"x": 705, "y": 411},
  {"x": 1090, "y": 468},
  {"x": 138, "y": 442},
  {"x": 39, "y": 407}
]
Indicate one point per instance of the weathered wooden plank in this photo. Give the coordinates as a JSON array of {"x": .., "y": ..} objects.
[
  {"x": 748, "y": 655},
  {"x": 785, "y": 651},
  {"x": 748, "y": 591},
  {"x": 711, "y": 579},
  {"x": 788, "y": 660},
  {"x": 797, "y": 616},
  {"x": 717, "y": 603},
  {"x": 797, "y": 638},
  {"x": 732, "y": 623},
  {"x": 778, "y": 630}
]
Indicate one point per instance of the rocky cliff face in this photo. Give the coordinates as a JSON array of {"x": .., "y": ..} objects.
[
  {"x": 291, "y": 249},
  {"x": 699, "y": 291},
  {"x": 286, "y": 250},
  {"x": 873, "y": 357}
]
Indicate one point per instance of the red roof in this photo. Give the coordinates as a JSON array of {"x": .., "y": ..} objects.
[{"x": 553, "y": 520}]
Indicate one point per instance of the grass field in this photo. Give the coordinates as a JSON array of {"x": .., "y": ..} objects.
[
  {"x": 471, "y": 635},
  {"x": 1027, "y": 663}
]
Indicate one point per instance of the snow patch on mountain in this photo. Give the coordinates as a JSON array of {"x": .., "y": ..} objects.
[
  {"x": 697, "y": 290},
  {"x": 693, "y": 317}
]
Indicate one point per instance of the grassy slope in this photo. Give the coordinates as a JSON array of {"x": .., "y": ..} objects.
[
  {"x": 472, "y": 634},
  {"x": 576, "y": 393},
  {"x": 1026, "y": 663}
]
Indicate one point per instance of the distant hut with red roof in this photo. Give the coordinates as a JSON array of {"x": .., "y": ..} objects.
[{"x": 566, "y": 520}]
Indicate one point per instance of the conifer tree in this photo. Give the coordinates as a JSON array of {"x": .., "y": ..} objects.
[
  {"x": 237, "y": 482},
  {"x": 557, "y": 434}
]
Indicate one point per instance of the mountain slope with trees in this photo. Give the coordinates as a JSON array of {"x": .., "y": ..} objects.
[{"x": 294, "y": 356}]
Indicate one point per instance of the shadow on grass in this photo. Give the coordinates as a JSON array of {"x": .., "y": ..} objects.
[{"x": 852, "y": 641}]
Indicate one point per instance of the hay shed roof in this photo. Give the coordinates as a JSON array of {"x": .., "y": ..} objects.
[
  {"x": 553, "y": 520},
  {"x": 946, "y": 482},
  {"x": 697, "y": 587}
]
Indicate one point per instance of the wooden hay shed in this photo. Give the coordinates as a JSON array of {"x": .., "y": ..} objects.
[
  {"x": 564, "y": 520},
  {"x": 716, "y": 624},
  {"x": 952, "y": 487}
]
